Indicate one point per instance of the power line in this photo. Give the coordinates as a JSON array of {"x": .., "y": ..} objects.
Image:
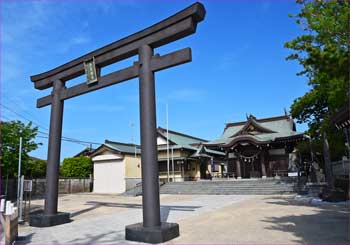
[
  {"x": 40, "y": 126},
  {"x": 6, "y": 97},
  {"x": 46, "y": 137},
  {"x": 72, "y": 140},
  {"x": 18, "y": 114}
]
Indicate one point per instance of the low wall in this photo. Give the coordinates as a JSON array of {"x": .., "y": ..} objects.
[{"x": 131, "y": 182}]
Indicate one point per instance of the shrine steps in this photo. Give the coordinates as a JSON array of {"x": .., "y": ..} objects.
[{"x": 230, "y": 187}]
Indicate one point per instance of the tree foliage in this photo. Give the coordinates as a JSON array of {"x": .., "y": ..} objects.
[
  {"x": 76, "y": 167},
  {"x": 11, "y": 132},
  {"x": 323, "y": 52},
  {"x": 36, "y": 168}
]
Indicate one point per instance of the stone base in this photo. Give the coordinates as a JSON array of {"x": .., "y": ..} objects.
[
  {"x": 158, "y": 234},
  {"x": 263, "y": 177},
  {"x": 44, "y": 220}
]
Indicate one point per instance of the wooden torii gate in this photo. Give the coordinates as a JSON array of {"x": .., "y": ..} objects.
[{"x": 142, "y": 43}]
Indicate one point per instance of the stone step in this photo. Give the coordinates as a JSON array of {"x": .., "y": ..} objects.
[{"x": 245, "y": 187}]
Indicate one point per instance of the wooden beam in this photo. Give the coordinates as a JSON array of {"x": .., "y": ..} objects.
[
  {"x": 173, "y": 28},
  {"x": 158, "y": 63}
]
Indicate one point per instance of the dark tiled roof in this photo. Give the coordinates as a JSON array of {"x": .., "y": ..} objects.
[{"x": 281, "y": 127}]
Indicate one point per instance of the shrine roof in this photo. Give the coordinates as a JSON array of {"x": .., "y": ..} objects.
[
  {"x": 204, "y": 151},
  {"x": 262, "y": 131}
]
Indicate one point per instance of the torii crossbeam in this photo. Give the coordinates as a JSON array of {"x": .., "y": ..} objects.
[{"x": 142, "y": 43}]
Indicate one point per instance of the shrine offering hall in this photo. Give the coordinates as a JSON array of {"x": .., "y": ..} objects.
[{"x": 258, "y": 147}]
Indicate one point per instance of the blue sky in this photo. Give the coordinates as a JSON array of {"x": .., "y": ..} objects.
[{"x": 238, "y": 66}]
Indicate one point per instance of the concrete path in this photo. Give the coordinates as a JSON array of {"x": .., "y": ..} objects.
[{"x": 202, "y": 219}]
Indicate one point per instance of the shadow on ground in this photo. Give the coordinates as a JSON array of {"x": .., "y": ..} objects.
[
  {"x": 164, "y": 209},
  {"x": 24, "y": 239},
  {"x": 328, "y": 223},
  {"x": 104, "y": 238}
]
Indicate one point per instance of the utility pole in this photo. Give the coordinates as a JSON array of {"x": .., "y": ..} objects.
[
  {"x": 167, "y": 138},
  {"x": 172, "y": 163},
  {"x": 19, "y": 170},
  {"x": 133, "y": 140},
  {"x": 20, "y": 180}
]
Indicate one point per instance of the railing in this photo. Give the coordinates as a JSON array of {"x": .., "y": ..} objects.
[{"x": 138, "y": 188}]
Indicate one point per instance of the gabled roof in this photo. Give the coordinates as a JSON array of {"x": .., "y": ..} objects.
[
  {"x": 118, "y": 147},
  {"x": 269, "y": 130},
  {"x": 86, "y": 152},
  {"x": 123, "y": 147},
  {"x": 203, "y": 151},
  {"x": 179, "y": 138},
  {"x": 253, "y": 126}
]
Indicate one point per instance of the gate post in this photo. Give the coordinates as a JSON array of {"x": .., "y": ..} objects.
[
  {"x": 50, "y": 216},
  {"x": 152, "y": 230}
]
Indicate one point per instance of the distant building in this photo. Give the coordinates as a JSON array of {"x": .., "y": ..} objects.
[
  {"x": 85, "y": 153},
  {"x": 258, "y": 148},
  {"x": 117, "y": 166},
  {"x": 192, "y": 160}
]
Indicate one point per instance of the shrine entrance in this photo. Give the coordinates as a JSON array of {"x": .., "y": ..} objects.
[
  {"x": 142, "y": 43},
  {"x": 251, "y": 169}
]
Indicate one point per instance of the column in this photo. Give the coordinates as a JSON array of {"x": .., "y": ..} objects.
[
  {"x": 50, "y": 216},
  {"x": 267, "y": 162},
  {"x": 150, "y": 179},
  {"x": 238, "y": 168},
  {"x": 263, "y": 167},
  {"x": 54, "y": 150},
  {"x": 152, "y": 230}
]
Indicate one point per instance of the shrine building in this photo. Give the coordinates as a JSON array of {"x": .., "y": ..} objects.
[{"x": 258, "y": 148}]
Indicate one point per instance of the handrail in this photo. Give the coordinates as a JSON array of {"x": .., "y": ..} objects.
[{"x": 139, "y": 184}]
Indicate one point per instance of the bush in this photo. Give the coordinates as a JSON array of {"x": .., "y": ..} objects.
[{"x": 80, "y": 167}]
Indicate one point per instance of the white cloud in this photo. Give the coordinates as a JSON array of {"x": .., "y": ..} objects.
[
  {"x": 80, "y": 40},
  {"x": 15, "y": 27},
  {"x": 72, "y": 43}
]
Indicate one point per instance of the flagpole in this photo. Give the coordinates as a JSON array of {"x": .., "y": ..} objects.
[{"x": 167, "y": 138}]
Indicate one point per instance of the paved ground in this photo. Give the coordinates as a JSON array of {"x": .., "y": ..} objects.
[{"x": 202, "y": 219}]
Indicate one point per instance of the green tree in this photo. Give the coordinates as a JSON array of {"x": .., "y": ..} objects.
[
  {"x": 76, "y": 167},
  {"x": 11, "y": 132},
  {"x": 323, "y": 52},
  {"x": 36, "y": 168}
]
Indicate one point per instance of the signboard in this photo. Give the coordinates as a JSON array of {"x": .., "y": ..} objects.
[
  {"x": 90, "y": 71},
  {"x": 231, "y": 155},
  {"x": 27, "y": 185}
]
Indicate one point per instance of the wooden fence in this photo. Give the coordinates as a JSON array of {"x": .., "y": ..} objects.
[{"x": 66, "y": 186}]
